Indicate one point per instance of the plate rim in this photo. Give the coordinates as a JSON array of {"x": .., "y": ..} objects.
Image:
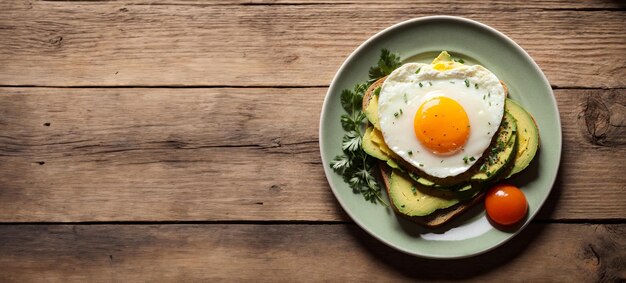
[{"x": 363, "y": 46}]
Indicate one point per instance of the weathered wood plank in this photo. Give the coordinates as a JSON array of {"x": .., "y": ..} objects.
[
  {"x": 495, "y": 5},
  {"x": 51, "y": 43},
  {"x": 295, "y": 253},
  {"x": 234, "y": 154}
]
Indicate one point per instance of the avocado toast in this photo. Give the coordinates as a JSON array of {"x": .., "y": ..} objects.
[{"x": 433, "y": 201}]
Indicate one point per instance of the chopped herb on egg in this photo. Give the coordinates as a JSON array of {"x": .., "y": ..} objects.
[
  {"x": 472, "y": 158},
  {"x": 418, "y": 70},
  {"x": 465, "y": 159},
  {"x": 483, "y": 97},
  {"x": 400, "y": 111},
  {"x": 396, "y": 114},
  {"x": 421, "y": 165},
  {"x": 476, "y": 86},
  {"x": 406, "y": 100},
  {"x": 467, "y": 83},
  {"x": 483, "y": 167},
  {"x": 489, "y": 94},
  {"x": 421, "y": 85},
  {"x": 430, "y": 83},
  {"x": 410, "y": 152},
  {"x": 414, "y": 189}
]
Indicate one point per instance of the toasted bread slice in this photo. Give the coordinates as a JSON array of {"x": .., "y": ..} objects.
[{"x": 437, "y": 218}]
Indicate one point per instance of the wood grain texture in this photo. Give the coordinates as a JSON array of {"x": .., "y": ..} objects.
[
  {"x": 295, "y": 253},
  {"x": 145, "y": 154},
  {"x": 50, "y": 43}
]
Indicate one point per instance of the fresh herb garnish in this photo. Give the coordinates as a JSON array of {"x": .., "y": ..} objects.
[
  {"x": 418, "y": 70},
  {"x": 406, "y": 100},
  {"x": 421, "y": 85},
  {"x": 465, "y": 159},
  {"x": 483, "y": 167},
  {"x": 386, "y": 64},
  {"x": 396, "y": 114},
  {"x": 467, "y": 83},
  {"x": 430, "y": 83},
  {"x": 476, "y": 86},
  {"x": 410, "y": 152},
  {"x": 355, "y": 166},
  {"x": 472, "y": 158}
]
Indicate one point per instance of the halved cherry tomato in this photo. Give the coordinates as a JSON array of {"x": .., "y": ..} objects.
[{"x": 506, "y": 204}]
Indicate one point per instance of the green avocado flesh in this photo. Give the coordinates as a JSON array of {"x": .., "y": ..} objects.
[
  {"x": 371, "y": 112},
  {"x": 371, "y": 148},
  {"x": 500, "y": 155},
  {"x": 414, "y": 200},
  {"x": 527, "y": 136}
]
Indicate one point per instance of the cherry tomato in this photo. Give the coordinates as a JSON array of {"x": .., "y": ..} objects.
[{"x": 506, "y": 204}]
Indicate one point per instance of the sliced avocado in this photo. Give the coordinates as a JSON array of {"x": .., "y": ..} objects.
[
  {"x": 442, "y": 57},
  {"x": 370, "y": 147},
  {"x": 393, "y": 164},
  {"x": 371, "y": 112},
  {"x": 527, "y": 136},
  {"x": 502, "y": 153},
  {"x": 414, "y": 200},
  {"x": 444, "y": 62},
  {"x": 379, "y": 140}
]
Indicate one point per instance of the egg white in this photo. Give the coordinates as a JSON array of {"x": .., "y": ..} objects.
[{"x": 484, "y": 107}]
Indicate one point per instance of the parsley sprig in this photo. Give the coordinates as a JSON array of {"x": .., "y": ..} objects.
[
  {"x": 355, "y": 166},
  {"x": 386, "y": 64}
]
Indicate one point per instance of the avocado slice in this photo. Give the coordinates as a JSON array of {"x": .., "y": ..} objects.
[
  {"x": 370, "y": 147},
  {"x": 414, "y": 200},
  {"x": 444, "y": 62},
  {"x": 527, "y": 136},
  {"x": 502, "y": 154},
  {"x": 444, "y": 56},
  {"x": 371, "y": 112}
]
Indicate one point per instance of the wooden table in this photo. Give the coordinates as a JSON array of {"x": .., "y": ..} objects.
[{"x": 152, "y": 141}]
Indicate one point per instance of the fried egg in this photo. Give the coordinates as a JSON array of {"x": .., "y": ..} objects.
[{"x": 440, "y": 119}]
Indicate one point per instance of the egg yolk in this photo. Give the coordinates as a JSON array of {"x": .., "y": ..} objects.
[{"x": 441, "y": 125}]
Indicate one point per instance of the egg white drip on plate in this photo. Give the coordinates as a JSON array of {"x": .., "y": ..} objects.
[{"x": 484, "y": 106}]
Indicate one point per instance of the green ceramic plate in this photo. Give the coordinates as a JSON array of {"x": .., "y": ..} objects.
[{"x": 420, "y": 40}]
